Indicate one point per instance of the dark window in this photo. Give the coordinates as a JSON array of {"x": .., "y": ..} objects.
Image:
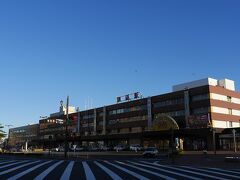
[{"x": 200, "y": 97}]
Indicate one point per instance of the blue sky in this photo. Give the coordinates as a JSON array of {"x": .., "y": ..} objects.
[{"x": 101, "y": 49}]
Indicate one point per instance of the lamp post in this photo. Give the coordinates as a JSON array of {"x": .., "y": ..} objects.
[
  {"x": 78, "y": 120},
  {"x": 210, "y": 125},
  {"x": 234, "y": 140},
  {"x": 66, "y": 129},
  {"x": 214, "y": 139},
  {"x": 8, "y": 126},
  {"x": 172, "y": 144}
]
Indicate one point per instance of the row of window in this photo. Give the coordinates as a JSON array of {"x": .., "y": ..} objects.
[
  {"x": 200, "y": 97},
  {"x": 88, "y": 116},
  {"x": 168, "y": 102},
  {"x": 125, "y": 120},
  {"x": 126, "y": 110},
  {"x": 88, "y": 125},
  {"x": 126, "y": 130},
  {"x": 52, "y": 129},
  {"x": 201, "y": 110}
]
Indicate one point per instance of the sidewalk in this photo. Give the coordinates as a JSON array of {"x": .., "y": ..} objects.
[{"x": 199, "y": 159}]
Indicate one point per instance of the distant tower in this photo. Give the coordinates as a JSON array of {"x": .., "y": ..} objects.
[{"x": 61, "y": 106}]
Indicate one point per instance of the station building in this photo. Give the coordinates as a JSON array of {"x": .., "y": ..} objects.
[
  {"x": 201, "y": 109},
  {"x": 22, "y": 137}
]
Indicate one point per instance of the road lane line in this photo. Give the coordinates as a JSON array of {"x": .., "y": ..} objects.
[
  {"x": 184, "y": 170},
  {"x": 67, "y": 173},
  {"x": 147, "y": 171},
  {"x": 12, "y": 164},
  {"x": 128, "y": 171},
  {"x": 21, "y": 174},
  {"x": 18, "y": 167},
  {"x": 167, "y": 171},
  {"x": 214, "y": 172},
  {"x": 88, "y": 171},
  {"x": 47, "y": 171},
  {"x": 108, "y": 171}
]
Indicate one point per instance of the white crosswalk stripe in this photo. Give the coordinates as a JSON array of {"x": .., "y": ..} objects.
[
  {"x": 6, "y": 162},
  {"x": 191, "y": 172},
  {"x": 18, "y": 167},
  {"x": 17, "y": 176},
  {"x": 148, "y": 171},
  {"x": 47, "y": 171},
  {"x": 143, "y": 170},
  {"x": 167, "y": 171},
  {"x": 138, "y": 176},
  {"x": 67, "y": 173},
  {"x": 108, "y": 171},
  {"x": 88, "y": 171},
  {"x": 226, "y": 171},
  {"x": 214, "y": 172},
  {"x": 11, "y": 164}
]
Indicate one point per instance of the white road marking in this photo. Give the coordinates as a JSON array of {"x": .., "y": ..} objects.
[
  {"x": 88, "y": 171},
  {"x": 214, "y": 172},
  {"x": 148, "y": 171},
  {"x": 18, "y": 167},
  {"x": 222, "y": 170},
  {"x": 184, "y": 170},
  {"x": 47, "y": 171},
  {"x": 167, "y": 171},
  {"x": 21, "y": 174},
  {"x": 67, "y": 173},
  {"x": 108, "y": 171},
  {"x": 7, "y": 162},
  {"x": 7, "y": 165},
  {"x": 128, "y": 171}
]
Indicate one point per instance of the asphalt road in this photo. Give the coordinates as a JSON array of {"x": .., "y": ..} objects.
[{"x": 106, "y": 169}]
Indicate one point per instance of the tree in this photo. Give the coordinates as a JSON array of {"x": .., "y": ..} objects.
[{"x": 2, "y": 133}]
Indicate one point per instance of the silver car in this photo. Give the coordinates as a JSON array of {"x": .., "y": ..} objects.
[{"x": 150, "y": 152}]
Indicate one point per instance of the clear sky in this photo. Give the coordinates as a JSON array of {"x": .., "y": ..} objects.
[{"x": 105, "y": 48}]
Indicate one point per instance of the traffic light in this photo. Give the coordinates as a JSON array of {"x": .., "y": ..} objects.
[{"x": 69, "y": 121}]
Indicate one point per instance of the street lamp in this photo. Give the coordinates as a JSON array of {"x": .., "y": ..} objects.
[
  {"x": 78, "y": 120},
  {"x": 234, "y": 139},
  {"x": 66, "y": 129},
  {"x": 213, "y": 138}
]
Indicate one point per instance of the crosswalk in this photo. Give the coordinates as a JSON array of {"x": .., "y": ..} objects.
[{"x": 107, "y": 169}]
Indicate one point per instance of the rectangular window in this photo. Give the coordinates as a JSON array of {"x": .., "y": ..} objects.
[
  {"x": 124, "y": 130},
  {"x": 200, "y": 97},
  {"x": 136, "y": 129},
  {"x": 230, "y": 124},
  {"x": 201, "y": 110},
  {"x": 230, "y": 111},
  {"x": 168, "y": 102}
]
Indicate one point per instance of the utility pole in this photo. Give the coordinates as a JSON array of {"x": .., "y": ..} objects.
[
  {"x": 78, "y": 120},
  {"x": 234, "y": 140},
  {"x": 66, "y": 130},
  {"x": 214, "y": 140}
]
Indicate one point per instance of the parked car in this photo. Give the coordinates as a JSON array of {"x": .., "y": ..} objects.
[
  {"x": 77, "y": 148},
  {"x": 136, "y": 147},
  {"x": 93, "y": 148},
  {"x": 119, "y": 147},
  {"x": 150, "y": 152},
  {"x": 105, "y": 148},
  {"x": 58, "y": 149}
]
